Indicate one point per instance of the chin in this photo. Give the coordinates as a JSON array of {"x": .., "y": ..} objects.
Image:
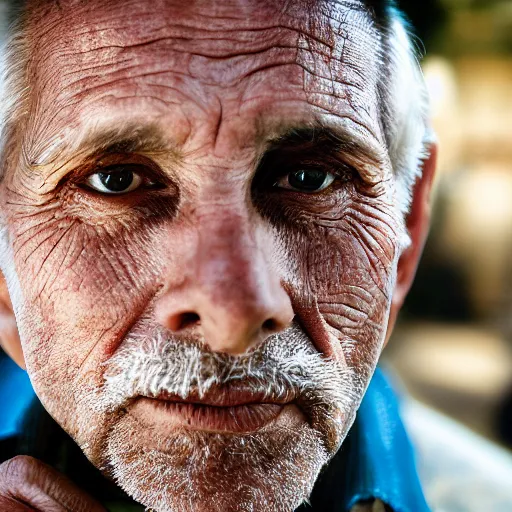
[
  {"x": 213, "y": 439},
  {"x": 274, "y": 468}
]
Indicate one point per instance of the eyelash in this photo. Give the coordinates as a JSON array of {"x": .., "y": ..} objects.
[
  {"x": 151, "y": 179},
  {"x": 342, "y": 172},
  {"x": 267, "y": 174}
]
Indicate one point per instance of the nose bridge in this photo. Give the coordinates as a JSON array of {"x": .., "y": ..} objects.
[
  {"x": 231, "y": 294},
  {"x": 231, "y": 270}
]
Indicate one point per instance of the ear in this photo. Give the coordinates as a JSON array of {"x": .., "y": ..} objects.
[
  {"x": 417, "y": 223},
  {"x": 9, "y": 337}
]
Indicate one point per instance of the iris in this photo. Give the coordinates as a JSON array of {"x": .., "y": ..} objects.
[
  {"x": 308, "y": 180},
  {"x": 117, "y": 180}
]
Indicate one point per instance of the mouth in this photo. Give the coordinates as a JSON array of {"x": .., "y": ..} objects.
[{"x": 233, "y": 409}]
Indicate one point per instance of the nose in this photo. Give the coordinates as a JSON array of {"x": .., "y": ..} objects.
[{"x": 230, "y": 294}]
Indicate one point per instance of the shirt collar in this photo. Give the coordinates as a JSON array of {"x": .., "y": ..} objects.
[
  {"x": 16, "y": 397},
  {"x": 375, "y": 461},
  {"x": 380, "y": 458}
]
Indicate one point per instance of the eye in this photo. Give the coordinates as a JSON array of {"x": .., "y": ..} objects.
[
  {"x": 306, "y": 180},
  {"x": 116, "y": 179}
]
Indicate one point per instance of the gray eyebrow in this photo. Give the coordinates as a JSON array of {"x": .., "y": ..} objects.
[
  {"x": 336, "y": 135},
  {"x": 130, "y": 138},
  {"x": 314, "y": 135},
  {"x": 333, "y": 133},
  {"x": 152, "y": 139},
  {"x": 127, "y": 138}
]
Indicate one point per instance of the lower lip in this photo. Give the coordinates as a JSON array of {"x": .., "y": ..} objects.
[{"x": 240, "y": 418}]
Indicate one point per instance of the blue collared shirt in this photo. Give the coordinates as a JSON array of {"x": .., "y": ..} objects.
[{"x": 376, "y": 460}]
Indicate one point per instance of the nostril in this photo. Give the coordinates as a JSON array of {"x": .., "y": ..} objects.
[
  {"x": 270, "y": 325},
  {"x": 188, "y": 319}
]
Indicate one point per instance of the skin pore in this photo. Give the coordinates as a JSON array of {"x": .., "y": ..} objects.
[{"x": 219, "y": 275}]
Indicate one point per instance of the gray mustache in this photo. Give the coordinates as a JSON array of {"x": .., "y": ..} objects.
[{"x": 284, "y": 367}]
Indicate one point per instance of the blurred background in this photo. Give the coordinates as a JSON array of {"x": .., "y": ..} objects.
[{"x": 452, "y": 348}]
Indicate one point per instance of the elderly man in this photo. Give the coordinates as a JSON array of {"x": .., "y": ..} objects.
[{"x": 211, "y": 214}]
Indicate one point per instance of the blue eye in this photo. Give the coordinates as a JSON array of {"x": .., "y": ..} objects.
[{"x": 306, "y": 180}]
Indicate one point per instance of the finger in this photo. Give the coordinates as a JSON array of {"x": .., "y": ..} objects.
[
  {"x": 31, "y": 482},
  {"x": 10, "y": 505}
]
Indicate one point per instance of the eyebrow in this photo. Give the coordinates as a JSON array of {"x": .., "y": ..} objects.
[
  {"x": 125, "y": 138},
  {"x": 332, "y": 137},
  {"x": 130, "y": 138},
  {"x": 316, "y": 136},
  {"x": 135, "y": 137},
  {"x": 341, "y": 131}
]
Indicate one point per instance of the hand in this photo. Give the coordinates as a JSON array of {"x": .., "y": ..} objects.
[{"x": 27, "y": 484}]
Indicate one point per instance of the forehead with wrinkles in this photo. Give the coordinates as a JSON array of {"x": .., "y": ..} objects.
[{"x": 226, "y": 72}]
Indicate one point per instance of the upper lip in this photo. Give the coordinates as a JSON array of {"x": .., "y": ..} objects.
[{"x": 228, "y": 396}]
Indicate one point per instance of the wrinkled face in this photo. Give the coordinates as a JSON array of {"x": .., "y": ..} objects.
[{"x": 204, "y": 237}]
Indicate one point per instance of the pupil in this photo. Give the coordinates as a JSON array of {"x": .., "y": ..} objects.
[
  {"x": 307, "y": 179},
  {"x": 116, "y": 181}
]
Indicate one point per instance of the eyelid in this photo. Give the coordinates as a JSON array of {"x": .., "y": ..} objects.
[
  {"x": 280, "y": 161},
  {"x": 340, "y": 171},
  {"x": 290, "y": 187},
  {"x": 148, "y": 169},
  {"x": 93, "y": 182},
  {"x": 142, "y": 181},
  {"x": 137, "y": 169}
]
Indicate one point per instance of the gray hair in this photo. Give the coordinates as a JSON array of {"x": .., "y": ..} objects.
[
  {"x": 13, "y": 61},
  {"x": 406, "y": 109},
  {"x": 404, "y": 99}
]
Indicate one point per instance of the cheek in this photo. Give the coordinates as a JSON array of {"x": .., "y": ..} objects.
[
  {"x": 347, "y": 269},
  {"x": 83, "y": 287}
]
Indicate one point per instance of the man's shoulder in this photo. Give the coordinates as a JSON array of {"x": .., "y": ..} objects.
[{"x": 460, "y": 471}]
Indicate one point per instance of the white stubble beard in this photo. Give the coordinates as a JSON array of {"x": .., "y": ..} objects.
[{"x": 271, "y": 469}]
